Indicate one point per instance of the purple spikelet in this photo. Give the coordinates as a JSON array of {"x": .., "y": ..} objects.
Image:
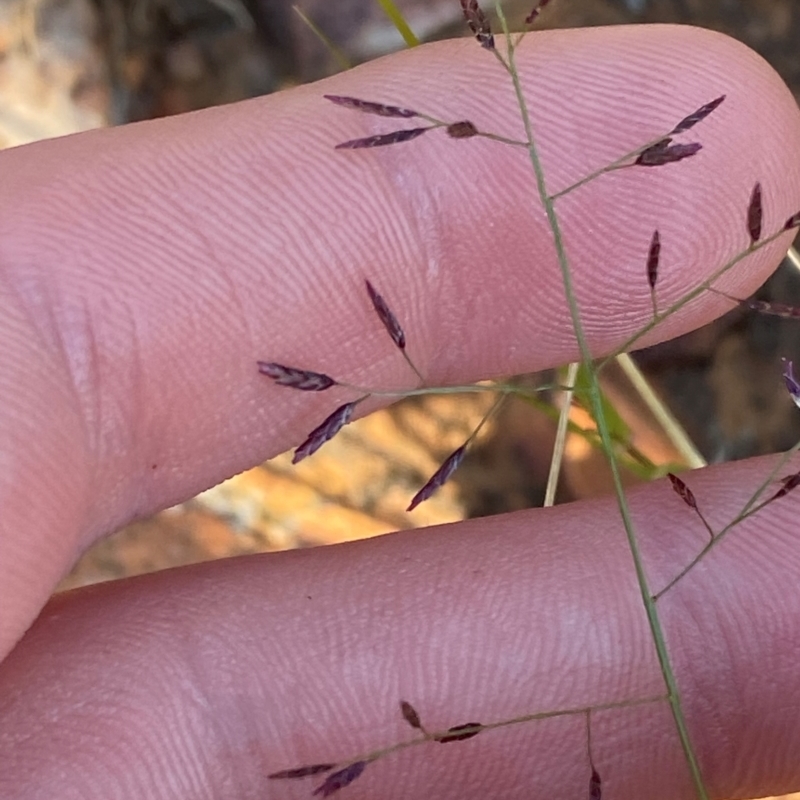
[
  {"x": 302, "y": 379},
  {"x": 301, "y": 772},
  {"x": 324, "y": 432},
  {"x": 382, "y": 139},
  {"x": 381, "y": 109},
  {"x": 440, "y": 477},
  {"x": 338, "y": 780},
  {"x": 478, "y": 23},
  {"x": 664, "y": 152},
  {"x": 755, "y": 214},
  {"x": 386, "y": 316},
  {"x": 696, "y": 116}
]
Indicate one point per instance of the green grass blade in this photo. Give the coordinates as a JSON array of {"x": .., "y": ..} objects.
[{"x": 399, "y": 21}]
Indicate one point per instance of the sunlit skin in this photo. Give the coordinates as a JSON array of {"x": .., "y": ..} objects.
[{"x": 143, "y": 273}]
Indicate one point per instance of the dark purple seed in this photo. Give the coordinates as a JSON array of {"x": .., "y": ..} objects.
[
  {"x": 791, "y": 382},
  {"x": 302, "y": 379},
  {"x": 478, "y": 23},
  {"x": 459, "y": 733},
  {"x": 595, "y": 786},
  {"x": 652, "y": 260},
  {"x": 789, "y": 483},
  {"x": 683, "y": 491},
  {"x": 755, "y": 214},
  {"x": 461, "y": 130},
  {"x": 410, "y": 715},
  {"x": 531, "y": 18},
  {"x": 439, "y": 478},
  {"x": 792, "y": 222},
  {"x": 382, "y": 139},
  {"x": 301, "y": 772},
  {"x": 324, "y": 432},
  {"x": 370, "y": 108},
  {"x": 386, "y": 316},
  {"x": 697, "y": 116},
  {"x": 774, "y": 309},
  {"x": 664, "y": 152},
  {"x": 338, "y": 780}
]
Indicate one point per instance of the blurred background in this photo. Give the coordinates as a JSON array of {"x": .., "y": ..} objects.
[{"x": 70, "y": 65}]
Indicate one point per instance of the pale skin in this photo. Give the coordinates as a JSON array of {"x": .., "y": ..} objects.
[{"x": 144, "y": 270}]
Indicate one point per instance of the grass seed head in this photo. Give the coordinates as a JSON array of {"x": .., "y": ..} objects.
[
  {"x": 325, "y": 431},
  {"x": 368, "y": 107},
  {"x": 389, "y": 320},
  {"x": 462, "y": 130},
  {"x": 653, "y": 255},
  {"x": 410, "y": 715},
  {"x": 664, "y": 152},
  {"x": 537, "y": 9},
  {"x": 697, "y": 116},
  {"x": 478, "y": 23},
  {"x": 303, "y": 379},
  {"x": 382, "y": 139},
  {"x": 338, "y": 780},
  {"x": 440, "y": 477},
  {"x": 301, "y": 772},
  {"x": 755, "y": 214},
  {"x": 459, "y": 733},
  {"x": 683, "y": 491},
  {"x": 595, "y": 786}
]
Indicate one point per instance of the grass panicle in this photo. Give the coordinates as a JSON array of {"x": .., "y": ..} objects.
[{"x": 660, "y": 151}]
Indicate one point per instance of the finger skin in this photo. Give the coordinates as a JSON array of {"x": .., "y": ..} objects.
[
  {"x": 144, "y": 270},
  {"x": 197, "y": 683}
]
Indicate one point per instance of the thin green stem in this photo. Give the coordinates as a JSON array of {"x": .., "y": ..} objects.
[
  {"x": 748, "y": 509},
  {"x": 602, "y": 425},
  {"x": 382, "y": 752},
  {"x": 495, "y": 137},
  {"x": 621, "y": 163}
]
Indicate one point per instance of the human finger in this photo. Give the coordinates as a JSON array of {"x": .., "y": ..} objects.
[
  {"x": 147, "y": 268},
  {"x": 200, "y": 682}
]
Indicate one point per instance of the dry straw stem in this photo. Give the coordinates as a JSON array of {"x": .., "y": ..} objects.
[
  {"x": 561, "y": 435},
  {"x": 674, "y": 430}
]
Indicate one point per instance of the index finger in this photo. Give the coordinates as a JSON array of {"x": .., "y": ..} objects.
[{"x": 146, "y": 269}]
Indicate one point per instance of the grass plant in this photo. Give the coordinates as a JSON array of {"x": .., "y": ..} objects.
[{"x": 677, "y": 144}]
